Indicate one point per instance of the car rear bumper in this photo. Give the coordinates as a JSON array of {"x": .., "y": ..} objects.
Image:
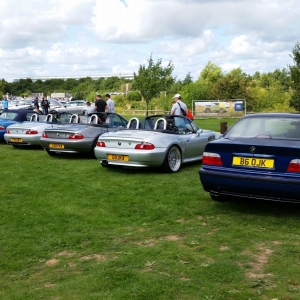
[
  {"x": 137, "y": 158},
  {"x": 255, "y": 186},
  {"x": 27, "y": 140},
  {"x": 69, "y": 146}
]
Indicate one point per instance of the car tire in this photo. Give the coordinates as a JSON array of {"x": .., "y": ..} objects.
[
  {"x": 172, "y": 161},
  {"x": 51, "y": 153},
  {"x": 92, "y": 152}
]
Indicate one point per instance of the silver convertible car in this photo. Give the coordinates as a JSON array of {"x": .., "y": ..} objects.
[
  {"x": 81, "y": 134},
  {"x": 29, "y": 132},
  {"x": 161, "y": 140}
]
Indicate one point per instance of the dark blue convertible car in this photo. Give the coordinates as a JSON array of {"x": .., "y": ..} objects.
[{"x": 258, "y": 158}]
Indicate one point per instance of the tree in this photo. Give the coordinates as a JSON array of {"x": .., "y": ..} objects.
[
  {"x": 233, "y": 85},
  {"x": 211, "y": 73},
  {"x": 152, "y": 80},
  {"x": 188, "y": 79},
  {"x": 295, "y": 74}
]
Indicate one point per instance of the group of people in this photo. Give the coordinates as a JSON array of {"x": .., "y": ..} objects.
[
  {"x": 45, "y": 104},
  {"x": 101, "y": 105}
]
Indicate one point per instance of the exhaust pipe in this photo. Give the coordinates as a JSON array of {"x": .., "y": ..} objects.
[{"x": 104, "y": 163}]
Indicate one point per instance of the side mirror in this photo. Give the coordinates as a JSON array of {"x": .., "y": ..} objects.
[{"x": 199, "y": 131}]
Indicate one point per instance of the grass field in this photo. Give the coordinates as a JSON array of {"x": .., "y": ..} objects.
[{"x": 71, "y": 229}]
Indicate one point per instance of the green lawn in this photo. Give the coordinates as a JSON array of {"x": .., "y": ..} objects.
[{"x": 71, "y": 229}]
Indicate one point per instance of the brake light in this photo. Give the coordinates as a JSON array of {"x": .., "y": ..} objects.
[
  {"x": 294, "y": 166},
  {"x": 101, "y": 144},
  {"x": 2, "y": 128},
  {"x": 76, "y": 136},
  {"x": 211, "y": 159},
  {"x": 7, "y": 131},
  {"x": 31, "y": 132},
  {"x": 144, "y": 146},
  {"x": 45, "y": 135}
]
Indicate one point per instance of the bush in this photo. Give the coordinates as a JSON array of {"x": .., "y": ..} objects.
[
  {"x": 120, "y": 100},
  {"x": 134, "y": 96},
  {"x": 138, "y": 105}
]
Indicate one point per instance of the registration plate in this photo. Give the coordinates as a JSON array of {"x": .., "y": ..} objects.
[
  {"x": 16, "y": 140},
  {"x": 265, "y": 163},
  {"x": 118, "y": 157},
  {"x": 57, "y": 146}
]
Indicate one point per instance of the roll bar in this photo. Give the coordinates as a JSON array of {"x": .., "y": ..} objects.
[
  {"x": 130, "y": 123},
  {"x": 49, "y": 118},
  {"x": 34, "y": 117},
  {"x": 74, "y": 119},
  {"x": 93, "y": 119},
  {"x": 157, "y": 123}
]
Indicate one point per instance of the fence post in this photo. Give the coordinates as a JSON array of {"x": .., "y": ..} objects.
[{"x": 223, "y": 127}]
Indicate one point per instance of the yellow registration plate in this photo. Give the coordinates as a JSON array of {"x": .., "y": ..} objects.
[
  {"x": 117, "y": 157},
  {"x": 265, "y": 163},
  {"x": 16, "y": 140},
  {"x": 57, "y": 146}
]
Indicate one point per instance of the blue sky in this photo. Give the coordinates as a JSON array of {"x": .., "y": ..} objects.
[{"x": 93, "y": 37}]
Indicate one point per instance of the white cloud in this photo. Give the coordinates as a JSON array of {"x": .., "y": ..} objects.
[{"x": 101, "y": 36}]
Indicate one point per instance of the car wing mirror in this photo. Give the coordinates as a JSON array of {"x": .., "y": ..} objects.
[{"x": 199, "y": 131}]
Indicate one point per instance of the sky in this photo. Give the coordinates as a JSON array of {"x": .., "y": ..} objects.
[{"x": 95, "y": 37}]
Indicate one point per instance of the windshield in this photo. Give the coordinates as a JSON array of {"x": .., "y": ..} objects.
[{"x": 266, "y": 127}]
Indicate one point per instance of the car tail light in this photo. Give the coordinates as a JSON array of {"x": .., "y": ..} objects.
[
  {"x": 101, "y": 144},
  {"x": 31, "y": 132},
  {"x": 145, "y": 146},
  {"x": 294, "y": 166},
  {"x": 7, "y": 131},
  {"x": 76, "y": 136},
  {"x": 45, "y": 135},
  {"x": 2, "y": 128},
  {"x": 211, "y": 159}
]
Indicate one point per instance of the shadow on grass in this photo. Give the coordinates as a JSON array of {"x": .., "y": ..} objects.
[{"x": 261, "y": 207}]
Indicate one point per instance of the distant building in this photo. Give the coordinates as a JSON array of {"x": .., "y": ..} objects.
[
  {"x": 58, "y": 95},
  {"x": 95, "y": 77},
  {"x": 39, "y": 95}
]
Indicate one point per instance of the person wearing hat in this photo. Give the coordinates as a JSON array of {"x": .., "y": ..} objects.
[
  {"x": 110, "y": 104},
  {"x": 179, "y": 108}
]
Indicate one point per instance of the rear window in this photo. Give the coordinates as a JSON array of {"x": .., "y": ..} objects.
[
  {"x": 8, "y": 115},
  {"x": 266, "y": 127}
]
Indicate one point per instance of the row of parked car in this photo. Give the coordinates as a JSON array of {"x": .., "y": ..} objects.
[
  {"x": 160, "y": 140},
  {"x": 257, "y": 158}
]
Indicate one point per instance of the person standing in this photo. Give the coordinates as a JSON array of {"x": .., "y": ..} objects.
[
  {"x": 45, "y": 105},
  {"x": 4, "y": 103},
  {"x": 100, "y": 106},
  {"x": 110, "y": 104},
  {"x": 179, "y": 108},
  {"x": 89, "y": 109},
  {"x": 36, "y": 104}
]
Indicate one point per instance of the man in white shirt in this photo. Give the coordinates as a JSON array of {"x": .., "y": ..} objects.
[
  {"x": 110, "y": 104},
  {"x": 179, "y": 108},
  {"x": 89, "y": 109}
]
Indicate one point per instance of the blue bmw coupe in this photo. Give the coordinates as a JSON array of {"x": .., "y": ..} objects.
[{"x": 257, "y": 158}]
